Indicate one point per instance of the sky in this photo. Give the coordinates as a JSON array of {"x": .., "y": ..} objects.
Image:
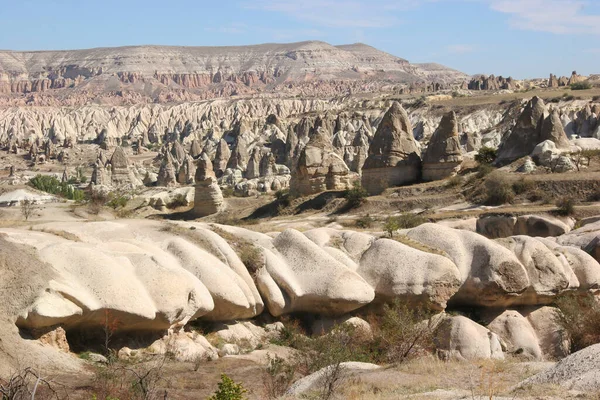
[{"x": 519, "y": 38}]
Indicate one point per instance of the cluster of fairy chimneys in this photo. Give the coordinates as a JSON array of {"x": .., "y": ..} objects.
[
  {"x": 39, "y": 150},
  {"x": 395, "y": 157},
  {"x": 539, "y": 124},
  {"x": 554, "y": 82}
]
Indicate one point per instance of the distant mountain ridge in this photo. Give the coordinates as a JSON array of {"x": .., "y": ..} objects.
[{"x": 162, "y": 72}]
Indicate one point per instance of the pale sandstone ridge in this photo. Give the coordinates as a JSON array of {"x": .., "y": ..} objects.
[
  {"x": 443, "y": 156},
  {"x": 394, "y": 157},
  {"x": 208, "y": 198},
  {"x": 208, "y": 72},
  {"x": 156, "y": 276}
]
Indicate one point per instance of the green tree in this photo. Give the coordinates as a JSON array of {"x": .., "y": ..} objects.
[
  {"x": 486, "y": 155},
  {"x": 228, "y": 390},
  {"x": 392, "y": 224}
]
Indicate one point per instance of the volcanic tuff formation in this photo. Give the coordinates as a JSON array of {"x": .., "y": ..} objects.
[
  {"x": 443, "y": 156},
  {"x": 162, "y": 73},
  {"x": 394, "y": 156}
]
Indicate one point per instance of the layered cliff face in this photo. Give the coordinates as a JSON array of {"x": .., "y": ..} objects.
[{"x": 162, "y": 73}]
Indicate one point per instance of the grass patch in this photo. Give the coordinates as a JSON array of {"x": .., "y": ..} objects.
[
  {"x": 248, "y": 253},
  {"x": 419, "y": 246},
  {"x": 62, "y": 234}
]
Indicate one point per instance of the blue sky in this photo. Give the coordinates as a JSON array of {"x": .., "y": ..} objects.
[{"x": 522, "y": 38}]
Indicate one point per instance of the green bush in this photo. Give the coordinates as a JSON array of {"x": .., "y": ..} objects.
[
  {"x": 117, "y": 201},
  {"x": 283, "y": 197},
  {"x": 581, "y": 85},
  {"x": 391, "y": 225},
  {"x": 356, "y": 196},
  {"x": 410, "y": 220},
  {"x": 565, "y": 206},
  {"x": 228, "y": 390},
  {"x": 400, "y": 331},
  {"x": 486, "y": 155},
  {"x": 498, "y": 190},
  {"x": 51, "y": 184}
]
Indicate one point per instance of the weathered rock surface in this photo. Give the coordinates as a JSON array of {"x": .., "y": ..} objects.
[
  {"x": 154, "y": 276},
  {"x": 299, "y": 276},
  {"x": 394, "y": 158},
  {"x": 208, "y": 198},
  {"x": 580, "y": 371},
  {"x": 431, "y": 285},
  {"x": 443, "y": 156},
  {"x": 499, "y": 226},
  {"x": 316, "y": 381},
  {"x": 457, "y": 337},
  {"x": 319, "y": 168},
  {"x": 526, "y": 134},
  {"x": 491, "y": 275},
  {"x": 552, "y": 129}
]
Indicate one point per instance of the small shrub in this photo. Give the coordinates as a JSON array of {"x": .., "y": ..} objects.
[
  {"x": 283, "y": 197},
  {"x": 498, "y": 190},
  {"x": 580, "y": 318},
  {"x": 278, "y": 377},
  {"x": 522, "y": 186},
  {"x": 539, "y": 195},
  {"x": 455, "y": 181},
  {"x": 178, "y": 201},
  {"x": 410, "y": 220},
  {"x": 365, "y": 222},
  {"x": 391, "y": 225},
  {"x": 484, "y": 170},
  {"x": 227, "y": 192},
  {"x": 581, "y": 85},
  {"x": 228, "y": 390},
  {"x": 251, "y": 257},
  {"x": 356, "y": 196},
  {"x": 595, "y": 196},
  {"x": 402, "y": 330},
  {"x": 596, "y": 98},
  {"x": 486, "y": 155},
  {"x": 28, "y": 208},
  {"x": 116, "y": 200},
  {"x": 565, "y": 206}
]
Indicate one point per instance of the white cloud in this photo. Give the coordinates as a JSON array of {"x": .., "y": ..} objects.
[
  {"x": 555, "y": 16},
  {"x": 338, "y": 13},
  {"x": 460, "y": 48}
]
